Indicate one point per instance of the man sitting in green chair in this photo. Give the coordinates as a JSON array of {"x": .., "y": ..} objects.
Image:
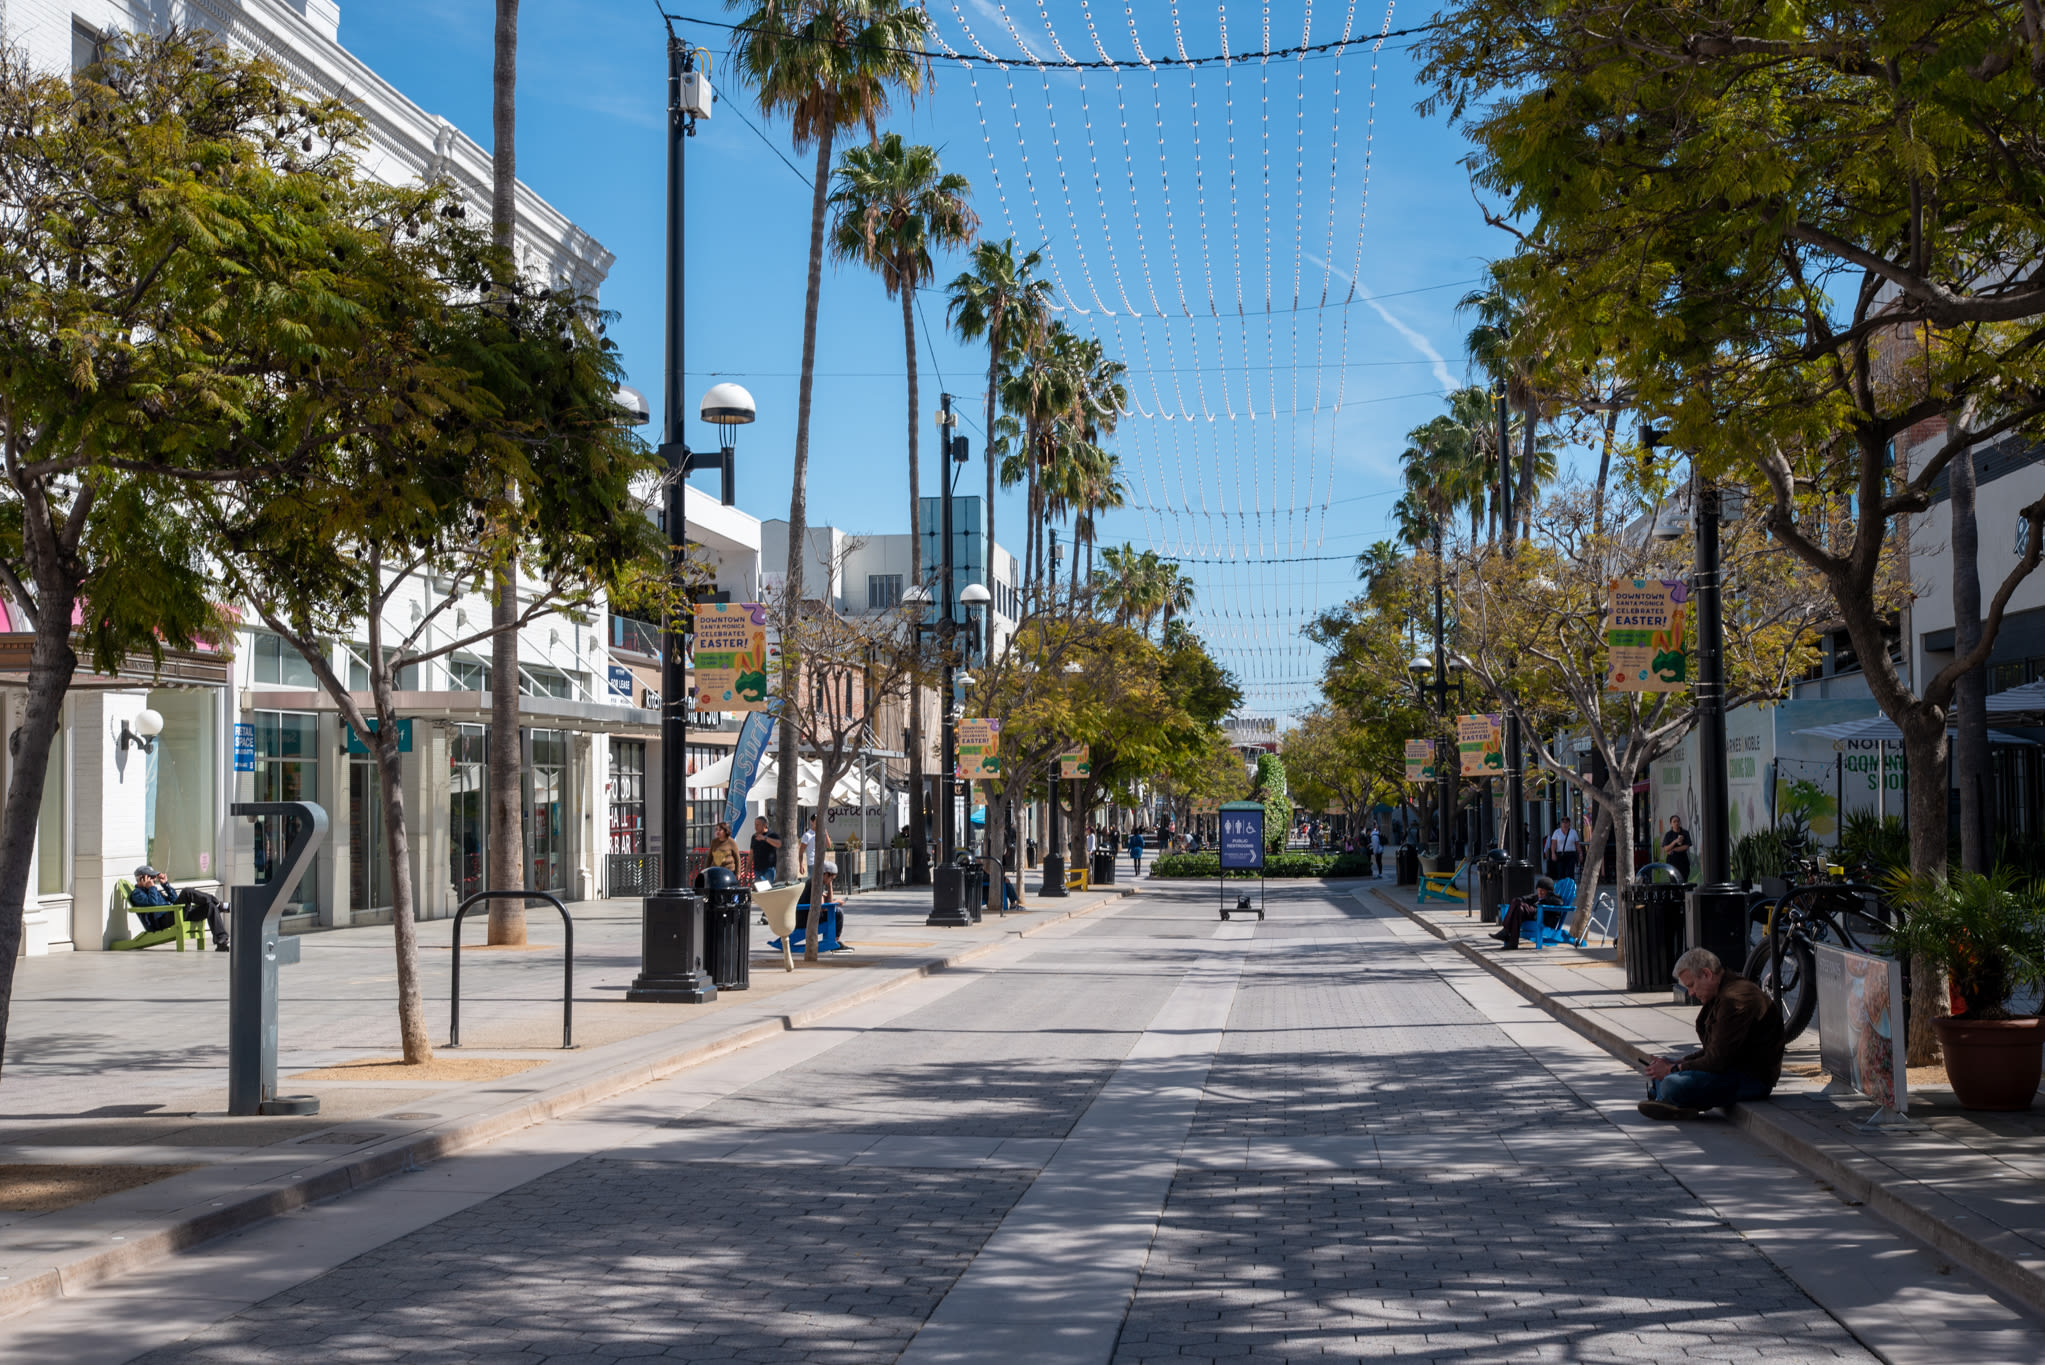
[{"x": 154, "y": 888}]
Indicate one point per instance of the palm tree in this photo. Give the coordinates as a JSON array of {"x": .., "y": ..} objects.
[
  {"x": 894, "y": 203},
  {"x": 999, "y": 299},
  {"x": 505, "y": 827},
  {"x": 1174, "y": 592},
  {"x": 828, "y": 65},
  {"x": 1039, "y": 391},
  {"x": 1503, "y": 344}
]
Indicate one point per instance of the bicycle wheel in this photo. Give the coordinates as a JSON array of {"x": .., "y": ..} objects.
[{"x": 1798, "y": 989}]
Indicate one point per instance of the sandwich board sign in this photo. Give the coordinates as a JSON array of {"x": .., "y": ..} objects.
[{"x": 1242, "y": 850}]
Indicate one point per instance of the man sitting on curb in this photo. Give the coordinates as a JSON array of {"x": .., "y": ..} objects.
[{"x": 1741, "y": 1029}]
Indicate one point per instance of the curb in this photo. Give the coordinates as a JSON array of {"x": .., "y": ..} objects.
[
  {"x": 389, "y": 1158},
  {"x": 1946, "y": 1232}
]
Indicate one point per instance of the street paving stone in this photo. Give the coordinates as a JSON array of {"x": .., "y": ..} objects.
[{"x": 1349, "y": 1188}]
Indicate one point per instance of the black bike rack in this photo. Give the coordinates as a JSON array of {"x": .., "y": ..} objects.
[{"x": 454, "y": 1004}]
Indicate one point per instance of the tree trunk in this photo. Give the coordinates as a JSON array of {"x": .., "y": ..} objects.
[
  {"x": 1527, "y": 452},
  {"x": 916, "y": 567},
  {"x": 418, "y": 1048},
  {"x": 1970, "y": 691},
  {"x": 1604, "y": 471},
  {"x": 993, "y": 376},
  {"x": 789, "y": 818},
  {"x": 506, "y": 825},
  {"x": 52, "y": 662},
  {"x": 504, "y": 127},
  {"x": 1591, "y": 866},
  {"x": 996, "y": 843},
  {"x": 1924, "y": 754},
  {"x": 507, "y": 808}
]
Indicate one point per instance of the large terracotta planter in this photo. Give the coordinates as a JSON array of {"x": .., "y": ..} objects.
[{"x": 1993, "y": 1063}]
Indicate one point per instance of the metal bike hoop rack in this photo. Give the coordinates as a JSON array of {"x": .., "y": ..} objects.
[{"x": 454, "y": 1004}]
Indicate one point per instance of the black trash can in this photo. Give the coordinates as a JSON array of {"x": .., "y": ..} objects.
[
  {"x": 1490, "y": 888},
  {"x": 1653, "y": 935},
  {"x": 1408, "y": 859},
  {"x": 1104, "y": 867},
  {"x": 974, "y": 877},
  {"x": 727, "y": 929}
]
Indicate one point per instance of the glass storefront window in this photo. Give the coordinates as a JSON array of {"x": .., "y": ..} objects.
[
  {"x": 178, "y": 812},
  {"x": 628, "y": 796},
  {"x": 287, "y": 769},
  {"x": 468, "y": 840},
  {"x": 369, "y": 864},
  {"x": 546, "y": 810}
]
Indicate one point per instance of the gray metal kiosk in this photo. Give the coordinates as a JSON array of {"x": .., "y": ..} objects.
[{"x": 254, "y": 954}]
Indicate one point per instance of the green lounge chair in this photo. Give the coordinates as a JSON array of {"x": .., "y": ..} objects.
[{"x": 149, "y": 938}]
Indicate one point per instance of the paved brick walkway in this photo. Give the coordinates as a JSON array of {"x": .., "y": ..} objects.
[{"x": 1139, "y": 1135}]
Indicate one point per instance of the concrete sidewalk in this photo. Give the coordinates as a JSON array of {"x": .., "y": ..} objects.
[
  {"x": 116, "y": 1066},
  {"x": 1965, "y": 1183}
]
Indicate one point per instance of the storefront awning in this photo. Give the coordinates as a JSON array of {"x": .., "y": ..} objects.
[{"x": 179, "y": 668}]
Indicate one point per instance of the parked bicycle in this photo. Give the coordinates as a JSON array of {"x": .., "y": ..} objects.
[{"x": 1784, "y": 934}]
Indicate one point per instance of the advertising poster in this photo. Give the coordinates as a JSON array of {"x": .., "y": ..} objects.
[
  {"x": 979, "y": 749},
  {"x": 1420, "y": 760},
  {"x": 1644, "y": 636},
  {"x": 1242, "y": 836},
  {"x": 1860, "y": 1021},
  {"x": 730, "y": 651},
  {"x": 1076, "y": 762},
  {"x": 1479, "y": 740}
]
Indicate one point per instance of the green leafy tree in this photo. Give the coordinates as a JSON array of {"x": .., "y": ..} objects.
[
  {"x": 828, "y": 66},
  {"x": 485, "y": 434},
  {"x": 189, "y": 262},
  {"x": 1798, "y": 233},
  {"x": 1270, "y": 789}
]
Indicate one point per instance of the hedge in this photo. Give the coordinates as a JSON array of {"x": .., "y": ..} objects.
[{"x": 1275, "y": 865}]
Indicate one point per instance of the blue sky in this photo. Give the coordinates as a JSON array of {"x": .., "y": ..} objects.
[{"x": 1237, "y": 457}]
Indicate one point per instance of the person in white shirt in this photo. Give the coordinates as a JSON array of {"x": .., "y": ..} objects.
[
  {"x": 809, "y": 847},
  {"x": 1377, "y": 852},
  {"x": 1562, "y": 851}
]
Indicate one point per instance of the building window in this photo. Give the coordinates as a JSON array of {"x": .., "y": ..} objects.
[
  {"x": 883, "y": 591},
  {"x": 546, "y": 810},
  {"x": 628, "y": 796},
  {"x": 467, "y": 814},
  {"x": 467, "y": 675},
  {"x": 88, "y": 45},
  {"x": 405, "y": 680},
  {"x": 177, "y": 802},
  {"x": 279, "y": 664},
  {"x": 543, "y": 682}
]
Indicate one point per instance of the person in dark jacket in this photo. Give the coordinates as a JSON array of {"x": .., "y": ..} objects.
[
  {"x": 153, "y": 888},
  {"x": 1136, "y": 850},
  {"x": 1524, "y": 909},
  {"x": 1740, "y": 1026}
]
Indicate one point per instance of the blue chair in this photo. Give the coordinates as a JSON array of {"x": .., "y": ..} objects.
[{"x": 1541, "y": 930}]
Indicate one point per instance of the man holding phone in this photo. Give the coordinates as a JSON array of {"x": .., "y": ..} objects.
[{"x": 154, "y": 888}]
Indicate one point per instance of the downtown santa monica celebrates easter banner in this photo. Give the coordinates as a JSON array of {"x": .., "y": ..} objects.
[
  {"x": 1076, "y": 762},
  {"x": 979, "y": 749},
  {"x": 1479, "y": 740},
  {"x": 1419, "y": 760},
  {"x": 1644, "y": 635},
  {"x": 730, "y": 651}
]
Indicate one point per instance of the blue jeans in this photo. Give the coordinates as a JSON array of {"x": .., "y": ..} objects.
[{"x": 1707, "y": 1089}]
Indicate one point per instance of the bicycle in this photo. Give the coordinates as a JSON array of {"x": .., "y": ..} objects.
[{"x": 1783, "y": 959}]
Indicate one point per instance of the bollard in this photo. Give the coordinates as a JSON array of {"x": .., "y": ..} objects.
[{"x": 254, "y": 954}]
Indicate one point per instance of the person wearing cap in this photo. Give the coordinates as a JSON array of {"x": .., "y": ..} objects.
[{"x": 153, "y": 888}]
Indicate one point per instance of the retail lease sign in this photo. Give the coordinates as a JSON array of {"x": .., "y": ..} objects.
[
  {"x": 1478, "y": 741},
  {"x": 979, "y": 749},
  {"x": 1644, "y": 635},
  {"x": 730, "y": 651},
  {"x": 1420, "y": 760}
]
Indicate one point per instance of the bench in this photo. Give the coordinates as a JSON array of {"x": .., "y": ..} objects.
[
  {"x": 149, "y": 938},
  {"x": 1441, "y": 886}
]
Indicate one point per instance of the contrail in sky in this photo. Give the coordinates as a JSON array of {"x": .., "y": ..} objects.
[{"x": 1419, "y": 342}]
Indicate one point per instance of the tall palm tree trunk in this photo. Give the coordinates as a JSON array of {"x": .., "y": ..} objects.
[
  {"x": 915, "y": 557},
  {"x": 506, "y": 819},
  {"x": 789, "y": 822},
  {"x": 993, "y": 377}
]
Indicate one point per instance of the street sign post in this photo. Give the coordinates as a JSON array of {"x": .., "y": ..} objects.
[{"x": 1242, "y": 850}]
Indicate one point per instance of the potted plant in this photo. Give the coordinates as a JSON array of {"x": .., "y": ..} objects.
[{"x": 1987, "y": 933}]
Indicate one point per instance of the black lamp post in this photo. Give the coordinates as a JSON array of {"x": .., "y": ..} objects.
[
  {"x": 1716, "y": 909},
  {"x": 949, "y": 901},
  {"x": 1445, "y": 773},
  {"x": 671, "y": 942}
]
